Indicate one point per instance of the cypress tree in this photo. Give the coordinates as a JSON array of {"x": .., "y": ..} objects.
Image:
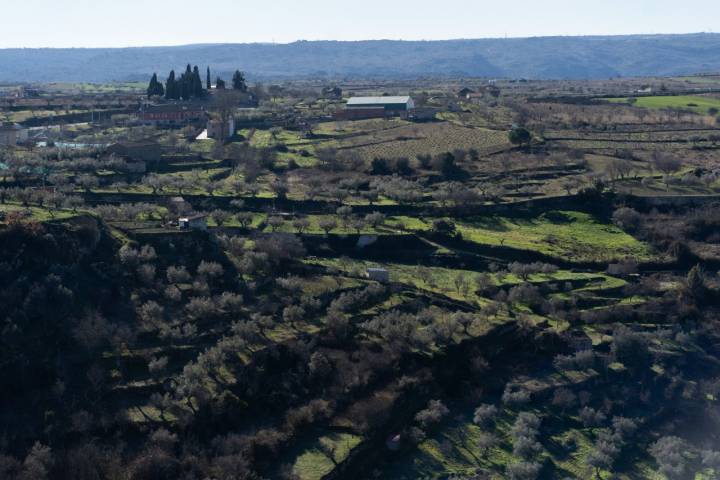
[
  {"x": 152, "y": 88},
  {"x": 155, "y": 88},
  {"x": 238, "y": 81},
  {"x": 185, "y": 87},
  {"x": 209, "y": 84},
  {"x": 171, "y": 89},
  {"x": 197, "y": 87}
]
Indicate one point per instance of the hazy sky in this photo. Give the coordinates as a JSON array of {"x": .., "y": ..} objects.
[{"x": 116, "y": 23}]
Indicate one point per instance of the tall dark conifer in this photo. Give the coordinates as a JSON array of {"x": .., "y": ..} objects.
[
  {"x": 186, "y": 83},
  {"x": 152, "y": 88},
  {"x": 197, "y": 86},
  {"x": 171, "y": 88},
  {"x": 155, "y": 88},
  {"x": 209, "y": 83}
]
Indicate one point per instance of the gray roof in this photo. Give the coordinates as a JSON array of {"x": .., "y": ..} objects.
[
  {"x": 172, "y": 107},
  {"x": 378, "y": 100},
  {"x": 6, "y": 127}
]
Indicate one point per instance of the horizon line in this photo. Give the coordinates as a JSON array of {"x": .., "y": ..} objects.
[{"x": 271, "y": 43}]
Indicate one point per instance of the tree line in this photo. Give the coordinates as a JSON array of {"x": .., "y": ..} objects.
[{"x": 189, "y": 85}]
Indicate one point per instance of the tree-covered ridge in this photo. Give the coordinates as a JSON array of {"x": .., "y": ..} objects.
[{"x": 543, "y": 57}]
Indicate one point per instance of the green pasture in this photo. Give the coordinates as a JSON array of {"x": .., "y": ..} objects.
[
  {"x": 314, "y": 461},
  {"x": 36, "y": 213},
  {"x": 568, "y": 235},
  {"x": 687, "y": 102}
]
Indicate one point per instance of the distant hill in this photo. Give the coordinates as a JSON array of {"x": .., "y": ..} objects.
[{"x": 542, "y": 57}]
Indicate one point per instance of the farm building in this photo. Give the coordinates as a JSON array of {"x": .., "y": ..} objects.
[
  {"x": 12, "y": 134},
  {"x": 377, "y": 107},
  {"x": 171, "y": 114},
  {"x": 424, "y": 114},
  {"x": 193, "y": 222},
  {"x": 484, "y": 91},
  {"x": 144, "y": 150},
  {"x": 333, "y": 93},
  {"x": 221, "y": 130},
  {"x": 465, "y": 93}
]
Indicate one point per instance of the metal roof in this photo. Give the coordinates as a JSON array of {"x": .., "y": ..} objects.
[{"x": 378, "y": 100}]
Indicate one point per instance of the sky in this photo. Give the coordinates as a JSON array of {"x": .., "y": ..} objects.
[{"x": 123, "y": 23}]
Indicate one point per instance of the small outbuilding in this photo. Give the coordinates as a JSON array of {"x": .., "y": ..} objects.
[
  {"x": 378, "y": 274},
  {"x": 138, "y": 151},
  {"x": 394, "y": 442},
  {"x": 221, "y": 129},
  {"x": 424, "y": 114},
  {"x": 12, "y": 133},
  {"x": 333, "y": 93},
  {"x": 193, "y": 222},
  {"x": 465, "y": 93}
]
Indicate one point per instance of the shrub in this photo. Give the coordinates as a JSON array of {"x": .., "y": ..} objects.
[{"x": 432, "y": 415}]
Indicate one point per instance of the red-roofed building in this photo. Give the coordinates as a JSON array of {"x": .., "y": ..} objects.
[{"x": 172, "y": 114}]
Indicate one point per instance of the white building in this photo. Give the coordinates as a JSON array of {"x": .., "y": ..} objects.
[
  {"x": 220, "y": 130},
  {"x": 376, "y": 107},
  {"x": 389, "y": 104},
  {"x": 12, "y": 134},
  {"x": 193, "y": 222}
]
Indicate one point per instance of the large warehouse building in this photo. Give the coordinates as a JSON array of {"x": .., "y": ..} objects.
[{"x": 377, "y": 107}]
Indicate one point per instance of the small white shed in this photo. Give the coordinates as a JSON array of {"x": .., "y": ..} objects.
[{"x": 194, "y": 222}]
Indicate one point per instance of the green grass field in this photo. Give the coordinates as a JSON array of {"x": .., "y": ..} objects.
[
  {"x": 687, "y": 102},
  {"x": 574, "y": 236},
  {"x": 569, "y": 235},
  {"x": 705, "y": 80},
  {"x": 37, "y": 214},
  {"x": 314, "y": 463}
]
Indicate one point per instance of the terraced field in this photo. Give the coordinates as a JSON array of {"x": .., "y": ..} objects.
[
  {"x": 688, "y": 102},
  {"x": 409, "y": 140},
  {"x": 569, "y": 235}
]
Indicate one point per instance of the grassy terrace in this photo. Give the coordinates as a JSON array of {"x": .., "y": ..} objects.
[
  {"x": 453, "y": 450},
  {"x": 36, "y": 213},
  {"x": 312, "y": 461},
  {"x": 449, "y": 281},
  {"x": 688, "y": 102},
  {"x": 571, "y": 235},
  {"x": 568, "y": 235}
]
